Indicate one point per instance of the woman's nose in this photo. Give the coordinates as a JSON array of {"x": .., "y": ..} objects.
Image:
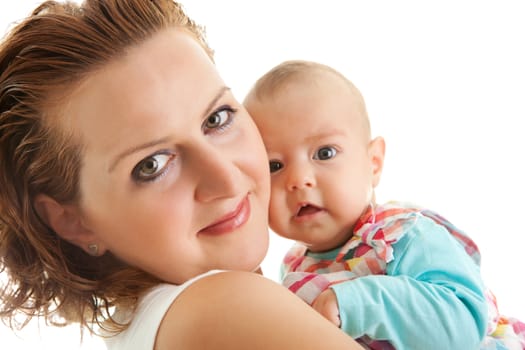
[
  {"x": 299, "y": 176},
  {"x": 217, "y": 175}
]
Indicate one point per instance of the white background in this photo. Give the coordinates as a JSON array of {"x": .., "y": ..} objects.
[{"x": 444, "y": 83}]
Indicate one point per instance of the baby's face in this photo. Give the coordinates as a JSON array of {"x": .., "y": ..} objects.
[{"x": 322, "y": 162}]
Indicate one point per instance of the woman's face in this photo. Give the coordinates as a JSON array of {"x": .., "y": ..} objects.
[{"x": 175, "y": 176}]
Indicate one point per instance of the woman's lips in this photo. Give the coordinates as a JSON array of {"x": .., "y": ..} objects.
[{"x": 231, "y": 221}]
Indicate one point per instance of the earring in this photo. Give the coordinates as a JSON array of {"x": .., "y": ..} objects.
[{"x": 93, "y": 249}]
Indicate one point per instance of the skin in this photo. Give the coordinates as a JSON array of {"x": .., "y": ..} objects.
[
  {"x": 324, "y": 164},
  {"x": 163, "y": 114},
  {"x": 259, "y": 314},
  {"x": 167, "y": 105}
]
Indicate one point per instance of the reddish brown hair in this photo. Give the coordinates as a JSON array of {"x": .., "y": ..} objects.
[{"x": 41, "y": 59}]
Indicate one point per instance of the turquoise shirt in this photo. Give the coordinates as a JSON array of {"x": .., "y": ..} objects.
[{"x": 430, "y": 298}]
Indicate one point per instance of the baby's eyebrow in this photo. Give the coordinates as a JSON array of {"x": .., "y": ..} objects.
[{"x": 325, "y": 133}]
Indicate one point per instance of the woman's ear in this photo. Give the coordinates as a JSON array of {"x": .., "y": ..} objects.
[
  {"x": 376, "y": 152},
  {"x": 65, "y": 220}
]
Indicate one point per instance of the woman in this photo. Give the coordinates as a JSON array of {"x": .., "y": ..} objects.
[{"x": 130, "y": 174}]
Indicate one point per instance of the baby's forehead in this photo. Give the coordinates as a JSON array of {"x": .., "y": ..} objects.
[
  {"x": 323, "y": 90},
  {"x": 321, "y": 86},
  {"x": 311, "y": 127},
  {"x": 310, "y": 79},
  {"x": 312, "y": 94}
]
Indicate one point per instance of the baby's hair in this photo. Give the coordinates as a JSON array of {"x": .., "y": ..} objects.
[
  {"x": 41, "y": 59},
  {"x": 304, "y": 72}
]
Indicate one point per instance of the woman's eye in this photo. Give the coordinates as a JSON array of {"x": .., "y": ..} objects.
[
  {"x": 325, "y": 153},
  {"x": 152, "y": 167},
  {"x": 275, "y": 166},
  {"x": 219, "y": 119}
]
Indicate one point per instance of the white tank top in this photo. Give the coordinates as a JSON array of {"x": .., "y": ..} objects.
[{"x": 141, "y": 333}]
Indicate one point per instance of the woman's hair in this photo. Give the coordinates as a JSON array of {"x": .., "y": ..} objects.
[{"x": 41, "y": 59}]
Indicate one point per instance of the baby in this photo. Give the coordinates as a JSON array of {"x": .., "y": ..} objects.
[{"x": 391, "y": 275}]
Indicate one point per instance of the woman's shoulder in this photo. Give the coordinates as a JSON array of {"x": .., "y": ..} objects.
[
  {"x": 145, "y": 321},
  {"x": 239, "y": 310},
  {"x": 206, "y": 305}
]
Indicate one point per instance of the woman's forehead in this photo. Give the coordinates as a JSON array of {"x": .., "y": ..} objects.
[{"x": 168, "y": 75}]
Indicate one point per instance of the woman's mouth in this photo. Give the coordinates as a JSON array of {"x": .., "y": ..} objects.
[{"x": 231, "y": 221}]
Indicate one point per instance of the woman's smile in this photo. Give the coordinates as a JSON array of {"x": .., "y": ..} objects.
[{"x": 230, "y": 221}]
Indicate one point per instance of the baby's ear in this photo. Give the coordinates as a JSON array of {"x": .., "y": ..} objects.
[
  {"x": 65, "y": 220},
  {"x": 376, "y": 153}
]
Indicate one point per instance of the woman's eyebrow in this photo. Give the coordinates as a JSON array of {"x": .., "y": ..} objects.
[
  {"x": 134, "y": 149},
  {"x": 217, "y": 97},
  {"x": 152, "y": 143}
]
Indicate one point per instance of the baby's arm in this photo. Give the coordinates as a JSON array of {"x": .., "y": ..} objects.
[
  {"x": 431, "y": 298},
  {"x": 326, "y": 305},
  {"x": 239, "y": 310}
]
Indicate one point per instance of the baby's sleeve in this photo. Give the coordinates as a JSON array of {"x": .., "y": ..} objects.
[{"x": 432, "y": 296}]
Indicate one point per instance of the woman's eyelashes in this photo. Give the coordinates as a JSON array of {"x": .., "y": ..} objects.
[
  {"x": 220, "y": 120},
  {"x": 153, "y": 167}
]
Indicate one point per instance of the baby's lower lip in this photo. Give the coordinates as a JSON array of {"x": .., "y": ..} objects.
[
  {"x": 240, "y": 217},
  {"x": 307, "y": 214}
]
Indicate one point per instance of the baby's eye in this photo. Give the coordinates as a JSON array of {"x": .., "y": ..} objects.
[
  {"x": 325, "y": 153},
  {"x": 219, "y": 120},
  {"x": 275, "y": 166},
  {"x": 151, "y": 167}
]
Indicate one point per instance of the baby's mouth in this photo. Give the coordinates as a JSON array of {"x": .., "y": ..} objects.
[{"x": 307, "y": 209}]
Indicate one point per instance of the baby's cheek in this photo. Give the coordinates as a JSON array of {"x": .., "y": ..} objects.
[
  {"x": 273, "y": 211},
  {"x": 277, "y": 202},
  {"x": 278, "y": 213}
]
